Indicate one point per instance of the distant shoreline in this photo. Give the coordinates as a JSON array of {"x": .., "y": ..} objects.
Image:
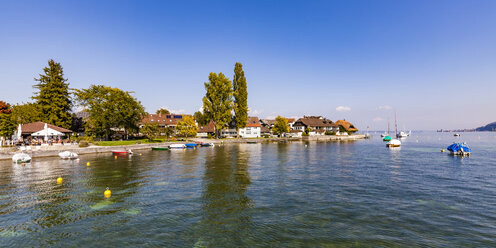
[{"x": 7, "y": 153}]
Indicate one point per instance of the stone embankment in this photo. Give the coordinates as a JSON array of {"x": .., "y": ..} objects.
[{"x": 51, "y": 151}]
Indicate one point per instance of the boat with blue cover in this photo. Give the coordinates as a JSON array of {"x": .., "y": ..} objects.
[
  {"x": 461, "y": 149},
  {"x": 191, "y": 145}
]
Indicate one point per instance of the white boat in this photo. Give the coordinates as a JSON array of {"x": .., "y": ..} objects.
[
  {"x": 177, "y": 146},
  {"x": 68, "y": 155},
  {"x": 21, "y": 158},
  {"x": 402, "y": 134},
  {"x": 456, "y": 134},
  {"x": 394, "y": 143}
]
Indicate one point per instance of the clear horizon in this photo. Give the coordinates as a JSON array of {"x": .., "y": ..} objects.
[{"x": 431, "y": 62}]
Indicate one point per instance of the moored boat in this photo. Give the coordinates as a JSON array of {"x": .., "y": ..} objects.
[
  {"x": 124, "y": 152},
  {"x": 190, "y": 145},
  {"x": 394, "y": 143},
  {"x": 458, "y": 148},
  {"x": 21, "y": 158},
  {"x": 387, "y": 138},
  {"x": 207, "y": 144},
  {"x": 68, "y": 155},
  {"x": 456, "y": 134},
  {"x": 177, "y": 146},
  {"x": 160, "y": 148}
]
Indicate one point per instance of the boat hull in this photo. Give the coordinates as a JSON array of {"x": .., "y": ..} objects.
[{"x": 160, "y": 148}]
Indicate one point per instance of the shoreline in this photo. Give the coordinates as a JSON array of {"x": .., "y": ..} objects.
[{"x": 53, "y": 151}]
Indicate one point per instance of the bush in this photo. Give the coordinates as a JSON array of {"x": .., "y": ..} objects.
[{"x": 84, "y": 144}]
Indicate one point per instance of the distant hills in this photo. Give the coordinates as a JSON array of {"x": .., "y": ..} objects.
[{"x": 488, "y": 127}]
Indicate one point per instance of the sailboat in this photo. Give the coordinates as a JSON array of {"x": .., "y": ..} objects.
[
  {"x": 387, "y": 137},
  {"x": 394, "y": 142}
]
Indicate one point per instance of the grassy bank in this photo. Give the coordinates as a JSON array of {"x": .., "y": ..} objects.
[{"x": 126, "y": 142}]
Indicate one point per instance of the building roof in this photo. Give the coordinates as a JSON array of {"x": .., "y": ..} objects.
[
  {"x": 252, "y": 122},
  {"x": 268, "y": 122},
  {"x": 170, "y": 119},
  {"x": 346, "y": 125},
  {"x": 264, "y": 129},
  {"x": 316, "y": 121},
  {"x": 38, "y": 126},
  {"x": 209, "y": 128}
]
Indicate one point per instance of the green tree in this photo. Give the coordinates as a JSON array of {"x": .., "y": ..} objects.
[
  {"x": 26, "y": 113},
  {"x": 150, "y": 130},
  {"x": 200, "y": 118},
  {"x": 109, "y": 108},
  {"x": 187, "y": 127},
  {"x": 53, "y": 98},
  {"x": 281, "y": 126},
  {"x": 217, "y": 102},
  {"x": 240, "y": 93},
  {"x": 7, "y": 125},
  {"x": 162, "y": 111},
  {"x": 167, "y": 131}
]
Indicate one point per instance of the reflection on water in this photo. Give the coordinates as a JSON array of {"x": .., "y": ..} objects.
[{"x": 301, "y": 194}]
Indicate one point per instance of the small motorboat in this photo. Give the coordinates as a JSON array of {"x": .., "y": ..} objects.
[
  {"x": 190, "y": 145},
  {"x": 128, "y": 152},
  {"x": 251, "y": 142},
  {"x": 456, "y": 134},
  {"x": 206, "y": 144},
  {"x": 68, "y": 155},
  {"x": 461, "y": 149},
  {"x": 21, "y": 158},
  {"x": 177, "y": 146},
  {"x": 156, "y": 148},
  {"x": 402, "y": 134},
  {"x": 393, "y": 143}
]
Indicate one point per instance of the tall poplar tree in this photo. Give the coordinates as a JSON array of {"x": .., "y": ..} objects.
[
  {"x": 217, "y": 102},
  {"x": 240, "y": 94},
  {"x": 53, "y": 98}
]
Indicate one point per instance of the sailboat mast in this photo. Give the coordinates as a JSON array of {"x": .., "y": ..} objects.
[
  {"x": 395, "y": 126},
  {"x": 388, "y": 127}
]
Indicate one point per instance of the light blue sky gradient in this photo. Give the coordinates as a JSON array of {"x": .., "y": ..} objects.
[{"x": 434, "y": 62}]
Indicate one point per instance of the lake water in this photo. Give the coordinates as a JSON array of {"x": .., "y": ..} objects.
[{"x": 296, "y": 194}]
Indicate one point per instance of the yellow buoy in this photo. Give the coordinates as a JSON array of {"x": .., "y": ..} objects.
[
  {"x": 442, "y": 150},
  {"x": 88, "y": 164},
  {"x": 107, "y": 193},
  {"x": 140, "y": 154},
  {"x": 59, "y": 180}
]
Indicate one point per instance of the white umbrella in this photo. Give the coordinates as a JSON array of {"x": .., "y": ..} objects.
[
  {"x": 46, "y": 132},
  {"x": 19, "y": 132}
]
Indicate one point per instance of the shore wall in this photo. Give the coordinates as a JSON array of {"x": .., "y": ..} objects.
[{"x": 53, "y": 151}]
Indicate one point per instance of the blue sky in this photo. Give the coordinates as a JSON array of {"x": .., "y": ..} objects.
[{"x": 434, "y": 62}]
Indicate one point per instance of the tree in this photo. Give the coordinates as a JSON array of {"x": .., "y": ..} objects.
[
  {"x": 26, "y": 113},
  {"x": 150, "y": 130},
  {"x": 7, "y": 125},
  {"x": 240, "y": 94},
  {"x": 53, "y": 98},
  {"x": 109, "y": 108},
  {"x": 281, "y": 126},
  {"x": 187, "y": 127},
  {"x": 162, "y": 111},
  {"x": 200, "y": 118},
  {"x": 167, "y": 131},
  {"x": 217, "y": 102}
]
